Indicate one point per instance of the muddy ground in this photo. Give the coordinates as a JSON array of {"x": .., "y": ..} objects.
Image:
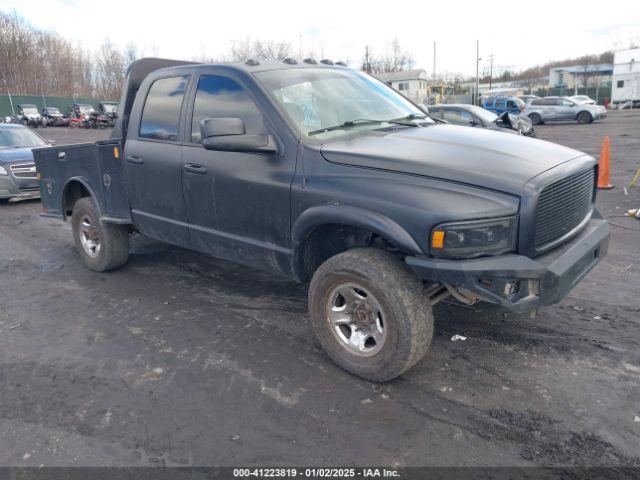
[{"x": 181, "y": 359}]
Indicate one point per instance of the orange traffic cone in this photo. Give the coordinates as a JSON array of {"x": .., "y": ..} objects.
[{"x": 604, "y": 175}]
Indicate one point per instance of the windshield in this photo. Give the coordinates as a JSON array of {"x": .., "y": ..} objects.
[
  {"x": 109, "y": 107},
  {"x": 29, "y": 110},
  {"x": 317, "y": 99},
  {"x": 19, "y": 137},
  {"x": 51, "y": 110},
  {"x": 485, "y": 115}
]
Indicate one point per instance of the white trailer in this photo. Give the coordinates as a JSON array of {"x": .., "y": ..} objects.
[{"x": 625, "y": 88}]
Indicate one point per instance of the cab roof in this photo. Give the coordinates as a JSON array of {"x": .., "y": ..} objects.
[{"x": 253, "y": 66}]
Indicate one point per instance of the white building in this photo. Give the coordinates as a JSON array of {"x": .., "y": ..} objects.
[
  {"x": 411, "y": 83},
  {"x": 575, "y": 76},
  {"x": 626, "y": 77}
]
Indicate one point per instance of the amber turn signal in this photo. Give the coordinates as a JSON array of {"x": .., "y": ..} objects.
[{"x": 437, "y": 239}]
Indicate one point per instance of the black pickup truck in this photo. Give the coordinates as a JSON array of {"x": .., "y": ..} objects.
[{"x": 326, "y": 175}]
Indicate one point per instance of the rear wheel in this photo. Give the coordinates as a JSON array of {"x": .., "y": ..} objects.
[
  {"x": 102, "y": 246},
  {"x": 370, "y": 313},
  {"x": 584, "y": 117},
  {"x": 535, "y": 118}
]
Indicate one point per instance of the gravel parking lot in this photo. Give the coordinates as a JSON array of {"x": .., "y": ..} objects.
[{"x": 181, "y": 359}]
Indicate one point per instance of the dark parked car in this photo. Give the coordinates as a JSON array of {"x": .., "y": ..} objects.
[
  {"x": 383, "y": 210},
  {"x": 52, "y": 117},
  {"x": 499, "y": 105},
  {"x": 110, "y": 111},
  {"x": 17, "y": 168},
  {"x": 474, "y": 116},
  {"x": 79, "y": 110}
]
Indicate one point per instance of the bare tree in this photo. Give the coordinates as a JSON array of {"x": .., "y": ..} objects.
[
  {"x": 40, "y": 62},
  {"x": 396, "y": 59},
  {"x": 367, "y": 60},
  {"x": 259, "y": 50},
  {"x": 35, "y": 61},
  {"x": 110, "y": 70}
]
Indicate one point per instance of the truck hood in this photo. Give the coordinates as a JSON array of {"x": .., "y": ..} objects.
[
  {"x": 14, "y": 155},
  {"x": 474, "y": 156}
]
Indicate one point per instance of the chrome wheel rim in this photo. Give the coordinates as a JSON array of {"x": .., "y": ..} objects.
[
  {"x": 89, "y": 238},
  {"x": 356, "y": 319}
]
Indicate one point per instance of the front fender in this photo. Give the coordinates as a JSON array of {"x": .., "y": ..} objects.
[{"x": 342, "y": 214}]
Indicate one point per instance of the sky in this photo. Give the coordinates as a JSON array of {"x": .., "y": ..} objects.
[{"x": 517, "y": 37}]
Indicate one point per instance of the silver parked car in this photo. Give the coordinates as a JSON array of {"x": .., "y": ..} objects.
[
  {"x": 17, "y": 170},
  {"x": 551, "y": 109}
]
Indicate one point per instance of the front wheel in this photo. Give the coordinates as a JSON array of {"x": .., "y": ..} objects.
[
  {"x": 370, "y": 313},
  {"x": 585, "y": 117},
  {"x": 102, "y": 246},
  {"x": 535, "y": 118}
]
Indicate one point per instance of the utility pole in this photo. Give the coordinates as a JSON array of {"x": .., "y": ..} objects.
[
  {"x": 300, "y": 46},
  {"x": 490, "y": 70},
  {"x": 13, "y": 112},
  {"x": 434, "y": 61},
  {"x": 476, "y": 100}
]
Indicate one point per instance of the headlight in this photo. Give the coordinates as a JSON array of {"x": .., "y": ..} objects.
[
  {"x": 3, "y": 171},
  {"x": 474, "y": 238}
]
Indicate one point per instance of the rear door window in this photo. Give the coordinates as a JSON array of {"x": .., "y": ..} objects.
[{"x": 161, "y": 112}]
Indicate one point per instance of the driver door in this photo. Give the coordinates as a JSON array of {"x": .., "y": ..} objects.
[{"x": 238, "y": 204}]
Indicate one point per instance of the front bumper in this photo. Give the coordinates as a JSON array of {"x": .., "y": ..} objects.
[
  {"x": 18, "y": 188},
  {"x": 517, "y": 282}
]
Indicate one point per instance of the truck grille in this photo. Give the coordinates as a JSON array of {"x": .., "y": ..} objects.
[
  {"x": 562, "y": 206},
  {"x": 23, "y": 170}
]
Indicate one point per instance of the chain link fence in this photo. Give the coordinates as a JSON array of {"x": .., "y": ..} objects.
[{"x": 62, "y": 103}]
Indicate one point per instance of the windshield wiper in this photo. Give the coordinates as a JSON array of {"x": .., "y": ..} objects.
[
  {"x": 363, "y": 121},
  {"x": 411, "y": 116},
  {"x": 345, "y": 125}
]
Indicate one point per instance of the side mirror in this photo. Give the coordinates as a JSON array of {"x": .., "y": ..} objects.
[
  {"x": 228, "y": 135},
  {"x": 217, "y": 127},
  {"x": 51, "y": 142}
]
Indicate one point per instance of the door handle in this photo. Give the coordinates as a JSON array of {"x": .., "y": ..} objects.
[
  {"x": 137, "y": 159},
  {"x": 195, "y": 168}
]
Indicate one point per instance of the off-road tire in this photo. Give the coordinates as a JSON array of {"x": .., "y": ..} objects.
[
  {"x": 408, "y": 315},
  {"x": 113, "y": 238},
  {"x": 535, "y": 118},
  {"x": 584, "y": 117}
]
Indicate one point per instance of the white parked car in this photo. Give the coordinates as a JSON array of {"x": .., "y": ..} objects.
[{"x": 583, "y": 99}]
